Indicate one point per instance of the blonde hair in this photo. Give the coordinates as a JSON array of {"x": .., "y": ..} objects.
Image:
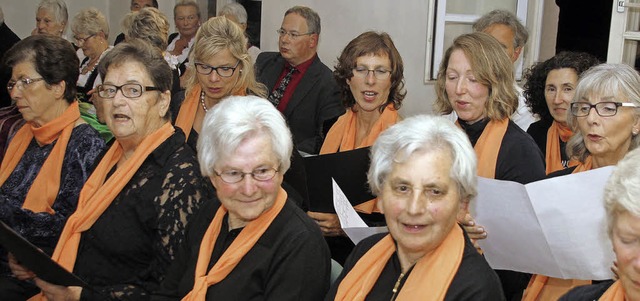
[
  {"x": 90, "y": 21},
  {"x": 148, "y": 24},
  {"x": 491, "y": 66},
  {"x": 215, "y": 35}
]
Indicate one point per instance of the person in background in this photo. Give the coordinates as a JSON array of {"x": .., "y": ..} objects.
[
  {"x": 235, "y": 12},
  {"x": 256, "y": 244},
  {"x": 135, "y": 207},
  {"x": 300, "y": 85},
  {"x": 136, "y": 5},
  {"x": 370, "y": 74},
  {"x": 51, "y": 156},
  {"x": 423, "y": 171},
  {"x": 476, "y": 81},
  {"x": 186, "y": 15},
  {"x": 91, "y": 32},
  {"x": 505, "y": 27},
  {"x": 8, "y": 38},
  {"x": 549, "y": 90},
  {"x": 622, "y": 204},
  {"x": 605, "y": 120},
  {"x": 51, "y": 18}
]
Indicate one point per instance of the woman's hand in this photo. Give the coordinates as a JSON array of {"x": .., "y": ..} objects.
[
  {"x": 328, "y": 222},
  {"x": 57, "y": 292},
  {"x": 19, "y": 271},
  {"x": 474, "y": 231}
]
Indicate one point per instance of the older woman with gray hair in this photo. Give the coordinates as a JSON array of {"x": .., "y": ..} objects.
[
  {"x": 255, "y": 244},
  {"x": 605, "y": 119},
  {"x": 423, "y": 171},
  {"x": 622, "y": 204},
  {"x": 51, "y": 18},
  {"x": 235, "y": 12}
]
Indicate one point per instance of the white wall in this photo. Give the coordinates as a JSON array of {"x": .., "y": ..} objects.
[
  {"x": 20, "y": 15},
  {"x": 404, "y": 20}
]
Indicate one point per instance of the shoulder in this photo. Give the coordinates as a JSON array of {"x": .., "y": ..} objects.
[
  {"x": 267, "y": 57},
  {"x": 516, "y": 139},
  {"x": 292, "y": 223},
  {"x": 172, "y": 37},
  {"x": 363, "y": 247},
  {"x": 587, "y": 292},
  {"x": 539, "y": 127},
  {"x": 86, "y": 141},
  {"x": 474, "y": 280}
]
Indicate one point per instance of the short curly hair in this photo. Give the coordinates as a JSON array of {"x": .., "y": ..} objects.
[
  {"x": 370, "y": 43},
  {"x": 536, "y": 78}
]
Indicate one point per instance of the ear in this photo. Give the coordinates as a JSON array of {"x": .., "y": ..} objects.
[
  {"x": 58, "y": 89},
  {"x": 516, "y": 53},
  {"x": 313, "y": 41},
  {"x": 635, "y": 130},
  {"x": 164, "y": 102},
  {"x": 463, "y": 210}
]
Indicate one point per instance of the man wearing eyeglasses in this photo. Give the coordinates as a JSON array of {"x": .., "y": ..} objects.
[{"x": 300, "y": 85}]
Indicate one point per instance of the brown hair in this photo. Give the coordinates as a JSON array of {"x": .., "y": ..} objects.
[
  {"x": 491, "y": 66},
  {"x": 370, "y": 43}
]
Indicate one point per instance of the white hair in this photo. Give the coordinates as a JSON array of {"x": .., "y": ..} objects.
[
  {"x": 622, "y": 192},
  {"x": 235, "y": 9}
]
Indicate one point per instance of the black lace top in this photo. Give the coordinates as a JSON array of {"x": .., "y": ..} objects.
[
  {"x": 124, "y": 255},
  {"x": 43, "y": 229}
]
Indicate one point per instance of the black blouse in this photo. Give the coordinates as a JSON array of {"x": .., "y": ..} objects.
[
  {"x": 125, "y": 254},
  {"x": 519, "y": 158},
  {"x": 289, "y": 262},
  {"x": 538, "y": 131},
  {"x": 474, "y": 280}
]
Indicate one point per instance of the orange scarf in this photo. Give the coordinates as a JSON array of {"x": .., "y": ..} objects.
[
  {"x": 614, "y": 293},
  {"x": 236, "y": 251},
  {"x": 542, "y": 287},
  {"x": 44, "y": 189},
  {"x": 97, "y": 194},
  {"x": 188, "y": 110},
  {"x": 488, "y": 146},
  {"x": 553, "y": 157},
  {"x": 342, "y": 137},
  {"x": 430, "y": 278}
]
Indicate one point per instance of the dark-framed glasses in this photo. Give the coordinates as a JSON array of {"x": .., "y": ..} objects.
[
  {"x": 235, "y": 176},
  {"x": 604, "y": 109},
  {"x": 223, "y": 71},
  {"x": 128, "y": 90},
  {"x": 22, "y": 83},
  {"x": 363, "y": 72},
  {"x": 294, "y": 35},
  {"x": 83, "y": 40}
]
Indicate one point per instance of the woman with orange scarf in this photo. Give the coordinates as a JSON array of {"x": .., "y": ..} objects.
[
  {"x": 549, "y": 89},
  {"x": 222, "y": 68},
  {"x": 133, "y": 210},
  {"x": 52, "y": 155},
  {"x": 255, "y": 244},
  {"x": 605, "y": 119},
  {"x": 475, "y": 80},
  {"x": 622, "y": 204},
  {"x": 370, "y": 75},
  {"x": 423, "y": 171}
]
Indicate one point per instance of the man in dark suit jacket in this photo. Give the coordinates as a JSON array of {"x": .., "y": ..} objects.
[{"x": 311, "y": 100}]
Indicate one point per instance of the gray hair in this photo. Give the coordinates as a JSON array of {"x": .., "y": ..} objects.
[
  {"x": 235, "y": 119},
  {"x": 90, "y": 21},
  {"x": 622, "y": 192},
  {"x": 148, "y": 24},
  {"x": 59, "y": 10},
  {"x": 618, "y": 80},
  {"x": 422, "y": 133},
  {"x": 507, "y": 18},
  {"x": 187, "y": 3},
  {"x": 313, "y": 20},
  {"x": 235, "y": 9}
]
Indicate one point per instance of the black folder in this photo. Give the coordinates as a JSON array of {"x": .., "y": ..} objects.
[
  {"x": 35, "y": 260},
  {"x": 349, "y": 169}
]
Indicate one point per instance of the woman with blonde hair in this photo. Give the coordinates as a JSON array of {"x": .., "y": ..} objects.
[{"x": 222, "y": 67}]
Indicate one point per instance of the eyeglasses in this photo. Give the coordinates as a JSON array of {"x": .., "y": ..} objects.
[
  {"x": 83, "y": 40},
  {"x": 292, "y": 34},
  {"x": 223, "y": 71},
  {"x": 22, "y": 83},
  {"x": 235, "y": 176},
  {"x": 604, "y": 109},
  {"x": 128, "y": 90},
  {"x": 363, "y": 72}
]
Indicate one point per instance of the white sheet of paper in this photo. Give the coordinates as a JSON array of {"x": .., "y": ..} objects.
[
  {"x": 554, "y": 227},
  {"x": 352, "y": 224}
]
